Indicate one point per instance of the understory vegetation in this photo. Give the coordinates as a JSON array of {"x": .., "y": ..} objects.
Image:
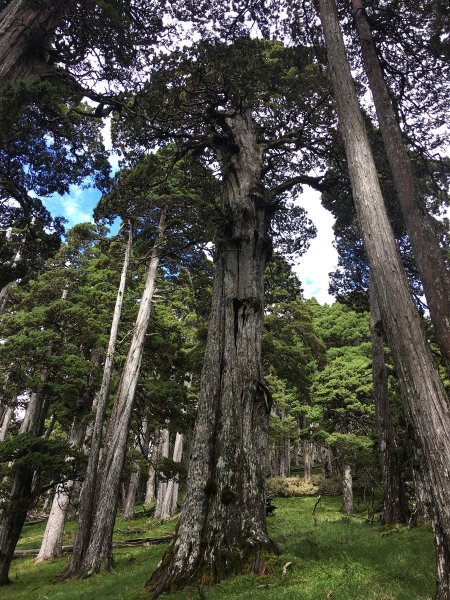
[{"x": 341, "y": 558}]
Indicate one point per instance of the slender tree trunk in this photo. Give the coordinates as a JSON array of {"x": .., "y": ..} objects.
[
  {"x": 222, "y": 527},
  {"x": 6, "y": 420},
  {"x": 51, "y": 546},
  {"x": 150, "y": 494},
  {"x": 87, "y": 499},
  {"x": 347, "y": 491},
  {"x": 394, "y": 510},
  {"x": 14, "y": 511},
  {"x": 166, "y": 507},
  {"x": 424, "y": 240},
  {"x": 422, "y": 390},
  {"x": 164, "y": 449},
  {"x": 24, "y": 29},
  {"x": 133, "y": 486},
  {"x": 307, "y": 460},
  {"x": 98, "y": 552}
]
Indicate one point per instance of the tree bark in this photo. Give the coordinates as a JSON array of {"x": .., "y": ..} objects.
[
  {"x": 51, "y": 546},
  {"x": 14, "y": 511},
  {"x": 164, "y": 449},
  {"x": 424, "y": 241},
  {"x": 133, "y": 485},
  {"x": 347, "y": 491},
  {"x": 87, "y": 499},
  {"x": 98, "y": 552},
  {"x": 222, "y": 527},
  {"x": 166, "y": 507},
  {"x": 24, "y": 31},
  {"x": 308, "y": 461},
  {"x": 150, "y": 493},
  {"x": 422, "y": 390},
  {"x": 394, "y": 505},
  {"x": 6, "y": 420}
]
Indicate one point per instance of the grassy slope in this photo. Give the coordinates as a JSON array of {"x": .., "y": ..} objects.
[{"x": 337, "y": 559}]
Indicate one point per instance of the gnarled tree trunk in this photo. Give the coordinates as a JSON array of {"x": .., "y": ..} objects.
[
  {"x": 222, "y": 526},
  {"x": 429, "y": 257},
  {"x": 24, "y": 29},
  {"x": 426, "y": 402}
]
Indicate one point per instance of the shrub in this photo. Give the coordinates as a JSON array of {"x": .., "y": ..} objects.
[{"x": 291, "y": 487}]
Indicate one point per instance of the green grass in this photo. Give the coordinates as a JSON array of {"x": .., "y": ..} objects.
[{"x": 339, "y": 559}]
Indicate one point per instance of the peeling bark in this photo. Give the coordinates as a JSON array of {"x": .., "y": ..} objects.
[
  {"x": 426, "y": 402},
  {"x": 222, "y": 527},
  {"x": 24, "y": 31}
]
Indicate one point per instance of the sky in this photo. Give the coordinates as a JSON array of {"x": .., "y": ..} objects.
[{"x": 312, "y": 268}]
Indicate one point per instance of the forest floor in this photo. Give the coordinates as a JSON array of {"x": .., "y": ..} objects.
[{"x": 336, "y": 559}]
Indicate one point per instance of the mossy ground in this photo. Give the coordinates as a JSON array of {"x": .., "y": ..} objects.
[{"x": 338, "y": 559}]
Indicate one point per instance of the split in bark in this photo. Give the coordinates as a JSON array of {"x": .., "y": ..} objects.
[{"x": 222, "y": 528}]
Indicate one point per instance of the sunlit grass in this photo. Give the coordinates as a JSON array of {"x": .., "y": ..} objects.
[{"x": 338, "y": 559}]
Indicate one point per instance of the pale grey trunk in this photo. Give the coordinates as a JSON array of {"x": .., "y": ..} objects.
[
  {"x": 98, "y": 553},
  {"x": 88, "y": 491},
  {"x": 393, "y": 502},
  {"x": 6, "y": 421},
  {"x": 429, "y": 257},
  {"x": 347, "y": 491},
  {"x": 166, "y": 507},
  {"x": 4, "y": 297},
  {"x": 24, "y": 28},
  {"x": 133, "y": 485},
  {"x": 223, "y": 525},
  {"x": 51, "y": 546},
  {"x": 308, "y": 459},
  {"x": 164, "y": 449},
  {"x": 422, "y": 390},
  {"x": 150, "y": 493}
]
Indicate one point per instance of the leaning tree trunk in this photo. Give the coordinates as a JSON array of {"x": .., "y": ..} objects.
[
  {"x": 167, "y": 501},
  {"x": 6, "y": 419},
  {"x": 429, "y": 257},
  {"x": 24, "y": 30},
  {"x": 98, "y": 552},
  {"x": 347, "y": 491},
  {"x": 14, "y": 510},
  {"x": 394, "y": 510},
  {"x": 87, "y": 499},
  {"x": 422, "y": 390},
  {"x": 222, "y": 527}
]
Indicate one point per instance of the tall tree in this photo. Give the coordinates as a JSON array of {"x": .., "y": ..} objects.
[
  {"x": 219, "y": 104},
  {"x": 425, "y": 243},
  {"x": 423, "y": 393}
]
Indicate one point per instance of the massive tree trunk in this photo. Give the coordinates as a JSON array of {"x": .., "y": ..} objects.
[
  {"x": 394, "y": 509},
  {"x": 14, "y": 511},
  {"x": 98, "y": 552},
  {"x": 425, "y": 399},
  {"x": 167, "y": 501},
  {"x": 424, "y": 241},
  {"x": 87, "y": 499},
  {"x": 222, "y": 528},
  {"x": 24, "y": 30}
]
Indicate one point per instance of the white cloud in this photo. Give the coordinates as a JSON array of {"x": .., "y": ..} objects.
[{"x": 321, "y": 258}]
